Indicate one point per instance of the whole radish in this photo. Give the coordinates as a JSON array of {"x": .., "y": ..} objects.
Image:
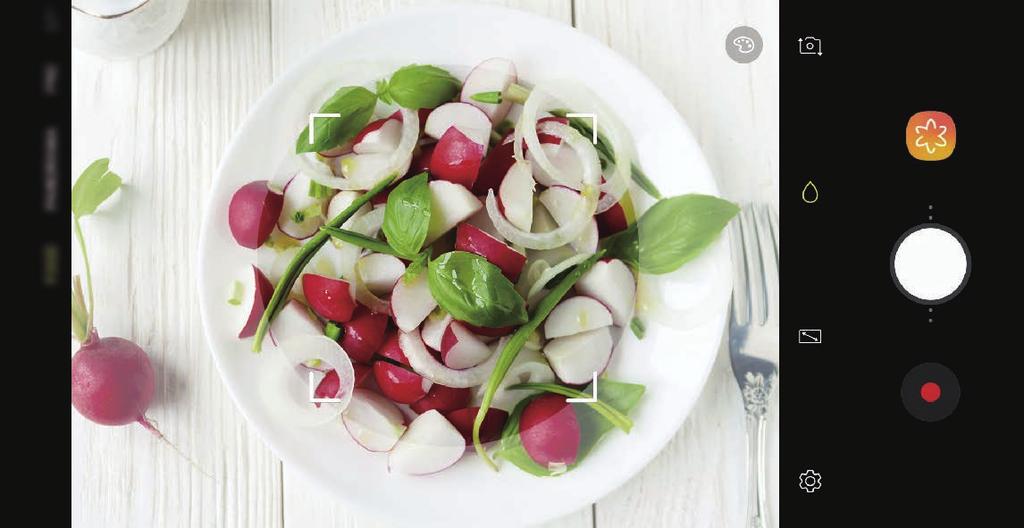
[{"x": 112, "y": 380}]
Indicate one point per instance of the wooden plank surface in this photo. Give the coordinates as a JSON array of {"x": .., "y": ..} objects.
[{"x": 164, "y": 120}]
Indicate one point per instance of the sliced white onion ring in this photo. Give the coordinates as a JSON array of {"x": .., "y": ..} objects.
[
  {"x": 425, "y": 365},
  {"x": 551, "y": 273},
  {"x": 563, "y": 234},
  {"x": 286, "y": 387},
  {"x": 579, "y": 98},
  {"x": 397, "y": 164},
  {"x": 362, "y": 294}
]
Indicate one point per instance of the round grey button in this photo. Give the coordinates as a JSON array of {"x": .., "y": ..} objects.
[{"x": 743, "y": 44}]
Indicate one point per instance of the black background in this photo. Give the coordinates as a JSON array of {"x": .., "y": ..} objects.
[{"x": 843, "y": 118}]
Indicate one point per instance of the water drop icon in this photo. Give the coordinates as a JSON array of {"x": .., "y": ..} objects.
[{"x": 810, "y": 192}]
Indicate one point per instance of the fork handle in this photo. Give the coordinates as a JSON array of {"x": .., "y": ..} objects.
[{"x": 757, "y": 492}]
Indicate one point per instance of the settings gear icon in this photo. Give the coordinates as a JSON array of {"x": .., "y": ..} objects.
[{"x": 810, "y": 481}]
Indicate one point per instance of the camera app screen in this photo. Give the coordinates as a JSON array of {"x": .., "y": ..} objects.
[{"x": 518, "y": 263}]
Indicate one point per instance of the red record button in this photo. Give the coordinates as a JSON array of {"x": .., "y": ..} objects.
[{"x": 930, "y": 392}]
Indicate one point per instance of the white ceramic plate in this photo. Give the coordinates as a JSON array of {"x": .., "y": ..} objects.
[{"x": 673, "y": 360}]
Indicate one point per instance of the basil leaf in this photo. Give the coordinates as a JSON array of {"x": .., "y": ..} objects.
[
  {"x": 93, "y": 187},
  {"x": 672, "y": 232},
  {"x": 475, "y": 291},
  {"x": 419, "y": 86},
  {"x": 417, "y": 266},
  {"x": 407, "y": 215},
  {"x": 623, "y": 397},
  {"x": 354, "y": 103}
]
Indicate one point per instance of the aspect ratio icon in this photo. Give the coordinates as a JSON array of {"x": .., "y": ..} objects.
[
  {"x": 809, "y": 336},
  {"x": 810, "y": 45}
]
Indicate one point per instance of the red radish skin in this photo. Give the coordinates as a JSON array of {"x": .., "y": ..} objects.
[
  {"x": 493, "y": 168},
  {"x": 548, "y": 138},
  {"x": 612, "y": 221},
  {"x": 456, "y": 158},
  {"x": 421, "y": 161},
  {"x": 474, "y": 240},
  {"x": 329, "y": 298},
  {"x": 399, "y": 384},
  {"x": 490, "y": 429},
  {"x": 264, "y": 290},
  {"x": 112, "y": 382},
  {"x": 550, "y": 431},
  {"x": 362, "y": 375},
  {"x": 364, "y": 334},
  {"x": 391, "y": 349},
  {"x": 253, "y": 213},
  {"x": 443, "y": 399}
]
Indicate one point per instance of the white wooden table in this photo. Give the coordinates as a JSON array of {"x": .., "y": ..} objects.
[{"x": 165, "y": 119}]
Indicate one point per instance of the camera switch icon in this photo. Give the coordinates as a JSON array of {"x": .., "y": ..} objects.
[{"x": 810, "y": 45}]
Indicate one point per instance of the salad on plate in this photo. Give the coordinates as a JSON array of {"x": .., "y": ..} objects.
[{"x": 445, "y": 263}]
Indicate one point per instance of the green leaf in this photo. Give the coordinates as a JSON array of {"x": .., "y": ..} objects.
[
  {"x": 672, "y": 232},
  {"x": 416, "y": 267},
  {"x": 93, "y": 187},
  {"x": 638, "y": 327},
  {"x": 355, "y": 104},
  {"x": 407, "y": 215},
  {"x": 622, "y": 397},
  {"x": 420, "y": 86},
  {"x": 487, "y": 97},
  {"x": 475, "y": 291},
  {"x": 333, "y": 331}
]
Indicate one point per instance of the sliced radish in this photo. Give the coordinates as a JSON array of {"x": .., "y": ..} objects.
[
  {"x": 576, "y": 358},
  {"x": 379, "y": 137},
  {"x": 461, "y": 349},
  {"x": 560, "y": 201},
  {"x": 294, "y": 320},
  {"x": 364, "y": 373},
  {"x": 570, "y": 171},
  {"x": 430, "y": 444},
  {"x": 442, "y": 398},
  {"x": 392, "y": 349},
  {"x": 612, "y": 283},
  {"x": 576, "y": 315},
  {"x": 427, "y": 366},
  {"x": 373, "y": 421},
  {"x": 612, "y": 221},
  {"x": 399, "y": 384},
  {"x": 450, "y": 204},
  {"x": 481, "y": 221},
  {"x": 491, "y": 75},
  {"x": 420, "y": 163},
  {"x": 434, "y": 328},
  {"x": 262, "y": 291},
  {"x": 456, "y": 158},
  {"x": 490, "y": 429},
  {"x": 516, "y": 195},
  {"x": 487, "y": 331},
  {"x": 469, "y": 119},
  {"x": 340, "y": 201},
  {"x": 286, "y": 384},
  {"x": 471, "y": 239},
  {"x": 381, "y": 272},
  {"x": 301, "y": 215},
  {"x": 329, "y": 298},
  {"x": 412, "y": 302},
  {"x": 494, "y": 167},
  {"x": 253, "y": 213},
  {"x": 364, "y": 334},
  {"x": 550, "y": 431}
]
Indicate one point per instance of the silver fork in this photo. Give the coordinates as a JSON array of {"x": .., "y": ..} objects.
[{"x": 754, "y": 340}]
